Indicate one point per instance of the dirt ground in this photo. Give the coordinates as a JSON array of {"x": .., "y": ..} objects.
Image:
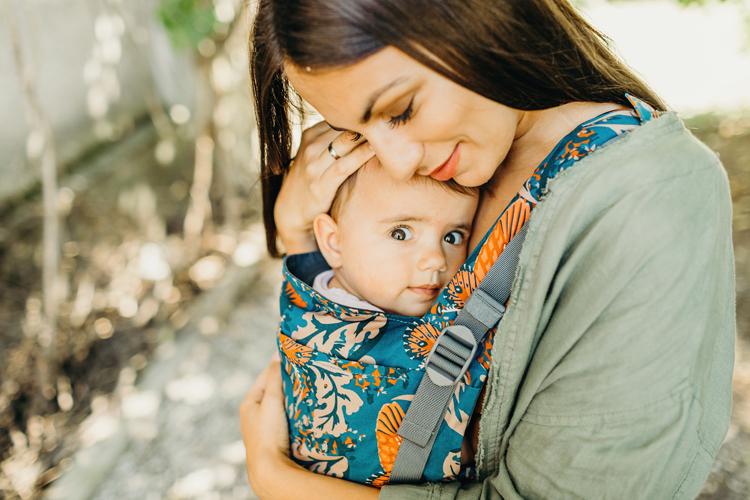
[{"x": 117, "y": 219}]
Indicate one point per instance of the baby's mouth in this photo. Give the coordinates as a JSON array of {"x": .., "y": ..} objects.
[{"x": 425, "y": 290}]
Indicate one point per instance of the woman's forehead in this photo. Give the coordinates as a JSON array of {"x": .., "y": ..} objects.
[{"x": 343, "y": 95}]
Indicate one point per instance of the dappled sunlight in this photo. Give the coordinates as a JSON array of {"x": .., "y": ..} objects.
[{"x": 193, "y": 390}]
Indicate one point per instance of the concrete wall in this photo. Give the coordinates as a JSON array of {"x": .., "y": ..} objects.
[{"x": 87, "y": 77}]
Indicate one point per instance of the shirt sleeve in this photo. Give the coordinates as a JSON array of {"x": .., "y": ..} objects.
[{"x": 628, "y": 391}]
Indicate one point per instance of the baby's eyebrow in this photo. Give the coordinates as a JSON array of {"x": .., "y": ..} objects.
[
  {"x": 466, "y": 226},
  {"x": 401, "y": 218}
]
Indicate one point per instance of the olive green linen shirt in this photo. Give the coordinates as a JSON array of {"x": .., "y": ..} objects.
[{"x": 611, "y": 372}]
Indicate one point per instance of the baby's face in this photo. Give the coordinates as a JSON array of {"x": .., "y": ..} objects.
[{"x": 401, "y": 242}]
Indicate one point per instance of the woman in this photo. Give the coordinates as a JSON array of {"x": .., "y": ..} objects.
[{"x": 611, "y": 371}]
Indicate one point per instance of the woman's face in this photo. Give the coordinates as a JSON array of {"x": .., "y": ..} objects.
[{"x": 416, "y": 120}]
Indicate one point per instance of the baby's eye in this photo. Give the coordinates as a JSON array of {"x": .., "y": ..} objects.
[
  {"x": 400, "y": 233},
  {"x": 454, "y": 238}
]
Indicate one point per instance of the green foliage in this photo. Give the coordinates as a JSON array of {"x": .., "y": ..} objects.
[
  {"x": 699, "y": 2},
  {"x": 188, "y": 21}
]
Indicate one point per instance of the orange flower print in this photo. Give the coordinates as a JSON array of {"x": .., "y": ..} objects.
[
  {"x": 460, "y": 288},
  {"x": 575, "y": 150},
  {"x": 381, "y": 480},
  {"x": 389, "y": 442},
  {"x": 437, "y": 308},
  {"x": 507, "y": 227},
  {"x": 418, "y": 342},
  {"x": 296, "y": 353},
  {"x": 386, "y": 432},
  {"x": 294, "y": 297}
]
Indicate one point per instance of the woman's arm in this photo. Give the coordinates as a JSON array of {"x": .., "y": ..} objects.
[{"x": 272, "y": 474}]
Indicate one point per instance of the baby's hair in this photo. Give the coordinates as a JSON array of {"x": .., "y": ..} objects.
[{"x": 344, "y": 192}]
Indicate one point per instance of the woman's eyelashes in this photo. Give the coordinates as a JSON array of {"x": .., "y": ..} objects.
[
  {"x": 404, "y": 117},
  {"x": 400, "y": 233}
]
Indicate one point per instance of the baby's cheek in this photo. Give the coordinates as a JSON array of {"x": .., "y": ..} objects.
[
  {"x": 456, "y": 258},
  {"x": 384, "y": 282}
]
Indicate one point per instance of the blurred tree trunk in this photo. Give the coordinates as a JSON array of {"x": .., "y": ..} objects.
[
  {"x": 198, "y": 218},
  {"x": 204, "y": 26},
  {"x": 41, "y": 128}
]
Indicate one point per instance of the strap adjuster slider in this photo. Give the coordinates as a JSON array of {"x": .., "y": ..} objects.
[{"x": 451, "y": 355}]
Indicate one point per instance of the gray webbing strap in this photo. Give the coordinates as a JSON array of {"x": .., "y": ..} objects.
[{"x": 454, "y": 350}]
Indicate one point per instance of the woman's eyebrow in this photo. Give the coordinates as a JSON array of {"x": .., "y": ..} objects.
[{"x": 375, "y": 95}]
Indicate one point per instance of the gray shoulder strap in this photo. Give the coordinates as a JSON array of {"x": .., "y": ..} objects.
[{"x": 450, "y": 357}]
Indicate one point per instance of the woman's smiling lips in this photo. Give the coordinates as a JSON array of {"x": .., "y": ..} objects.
[{"x": 448, "y": 169}]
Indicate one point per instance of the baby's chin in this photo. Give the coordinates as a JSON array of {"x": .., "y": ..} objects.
[
  {"x": 411, "y": 312},
  {"x": 412, "y": 308}
]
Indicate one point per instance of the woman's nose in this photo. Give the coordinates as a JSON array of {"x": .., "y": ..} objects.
[{"x": 397, "y": 154}]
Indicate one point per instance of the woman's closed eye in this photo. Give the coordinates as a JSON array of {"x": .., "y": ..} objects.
[
  {"x": 454, "y": 238},
  {"x": 400, "y": 233},
  {"x": 404, "y": 117}
]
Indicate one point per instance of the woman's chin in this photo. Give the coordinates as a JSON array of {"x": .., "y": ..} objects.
[{"x": 471, "y": 178}]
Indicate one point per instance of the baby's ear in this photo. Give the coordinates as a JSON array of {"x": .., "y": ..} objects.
[{"x": 327, "y": 234}]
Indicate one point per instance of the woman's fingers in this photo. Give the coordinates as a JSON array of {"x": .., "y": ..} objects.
[
  {"x": 315, "y": 131},
  {"x": 344, "y": 143},
  {"x": 274, "y": 411},
  {"x": 346, "y": 166},
  {"x": 322, "y": 173},
  {"x": 273, "y": 380},
  {"x": 263, "y": 418},
  {"x": 264, "y": 427},
  {"x": 255, "y": 396}
]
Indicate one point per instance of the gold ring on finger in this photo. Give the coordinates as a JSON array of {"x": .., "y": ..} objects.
[{"x": 332, "y": 151}]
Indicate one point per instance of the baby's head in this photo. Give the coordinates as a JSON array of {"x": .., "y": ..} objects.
[{"x": 396, "y": 244}]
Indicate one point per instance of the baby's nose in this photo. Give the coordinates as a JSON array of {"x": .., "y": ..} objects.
[{"x": 433, "y": 259}]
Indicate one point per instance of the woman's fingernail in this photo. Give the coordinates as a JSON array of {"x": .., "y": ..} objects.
[
  {"x": 369, "y": 146},
  {"x": 275, "y": 357}
]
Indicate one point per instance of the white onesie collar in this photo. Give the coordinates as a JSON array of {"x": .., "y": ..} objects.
[{"x": 338, "y": 295}]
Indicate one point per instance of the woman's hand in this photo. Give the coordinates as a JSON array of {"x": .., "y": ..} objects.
[
  {"x": 272, "y": 474},
  {"x": 264, "y": 428},
  {"x": 312, "y": 181}
]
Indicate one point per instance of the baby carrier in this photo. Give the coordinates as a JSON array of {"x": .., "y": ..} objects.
[
  {"x": 380, "y": 398},
  {"x": 363, "y": 384}
]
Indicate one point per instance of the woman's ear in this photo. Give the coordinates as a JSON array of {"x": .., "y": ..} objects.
[{"x": 327, "y": 234}]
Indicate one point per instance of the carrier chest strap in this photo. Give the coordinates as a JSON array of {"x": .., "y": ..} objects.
[{"x": 450, "y": 357}]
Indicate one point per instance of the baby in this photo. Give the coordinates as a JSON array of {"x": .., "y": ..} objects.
[
  {"x": 393, "y": 246},
  {"x": 359, "y": 318}
]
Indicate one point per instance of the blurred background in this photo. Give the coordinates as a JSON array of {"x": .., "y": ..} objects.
[{"x": 137, "y": 304}]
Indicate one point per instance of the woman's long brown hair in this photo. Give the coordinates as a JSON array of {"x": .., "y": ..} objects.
[{"x": 525, "y": 54}]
